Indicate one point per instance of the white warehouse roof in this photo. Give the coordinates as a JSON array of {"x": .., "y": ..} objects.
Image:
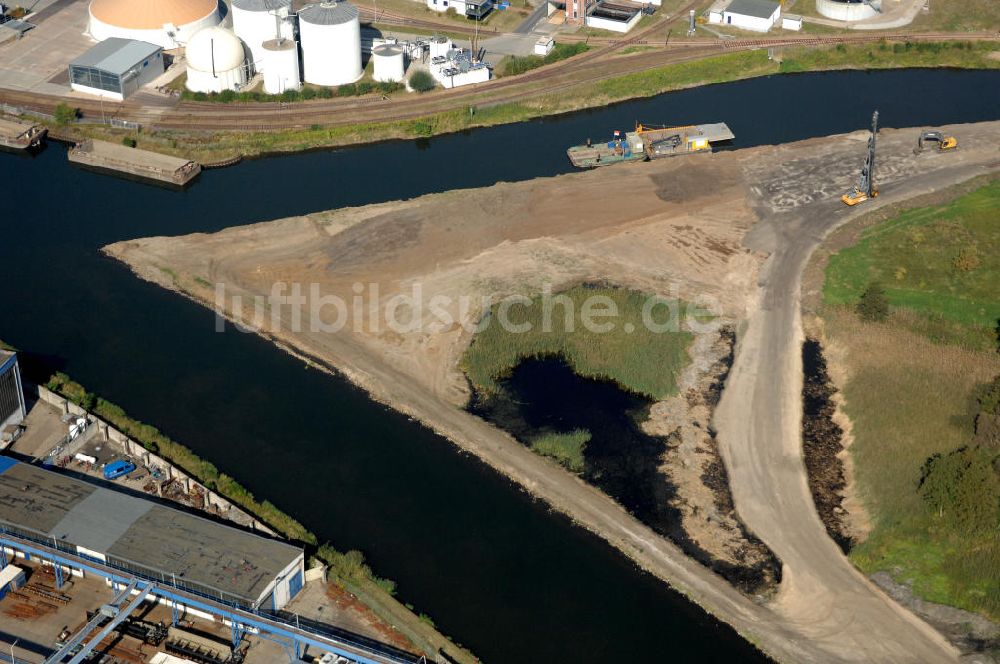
[{"x": 755, "y": 8}]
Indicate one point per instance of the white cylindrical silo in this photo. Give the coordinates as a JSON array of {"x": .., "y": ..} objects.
[
  {"x": 280, "y": 66},
  {"x": 388, "y": 63},
  {"x": 331, "y": 43},
  {"x": 440, "y": 46},
  {"x": 258, "y": 21},
  {"x": 215, "y": 61}
]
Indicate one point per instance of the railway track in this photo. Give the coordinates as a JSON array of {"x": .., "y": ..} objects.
[{"x": 588, "y": 67}]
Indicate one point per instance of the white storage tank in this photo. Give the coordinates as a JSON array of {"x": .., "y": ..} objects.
[
  {"x": 388, "y": 61},
  {"x": 281, "y": 66},
  {"x": 331, "y": 43},
  {"x": 258, "y": 21},
  {"x": 440, "y": 46},
  {"x": 167, "y": 24},
  {"x": 215, "y": 61}
]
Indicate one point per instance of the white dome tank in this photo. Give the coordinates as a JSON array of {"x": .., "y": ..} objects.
[
  {"x": 280, "y": 66},
  {"x": 331, "y": 43},
  {"x": 167, "y": 23},
  {"x": 215, "y": 61},
  {"x": 845, "y": 10},
  {"x": 388, "y": 61},
  {"x": 258, "y": 21}
]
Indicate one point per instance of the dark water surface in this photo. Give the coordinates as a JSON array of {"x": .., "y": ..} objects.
[{"x": 494, "y": 568}]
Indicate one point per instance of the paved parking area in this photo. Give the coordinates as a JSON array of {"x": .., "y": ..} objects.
[{"x": 38, "y": 61}]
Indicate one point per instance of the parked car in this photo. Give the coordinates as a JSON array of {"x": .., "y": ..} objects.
[{"x": 116, "y": 469}]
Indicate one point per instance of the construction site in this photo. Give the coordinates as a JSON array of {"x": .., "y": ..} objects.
[
  {"x": 110, "y": 554},
  {"x": 767, "y": 208}
]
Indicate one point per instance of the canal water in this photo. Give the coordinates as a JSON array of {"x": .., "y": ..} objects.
[{"x": 497, "y": 570}]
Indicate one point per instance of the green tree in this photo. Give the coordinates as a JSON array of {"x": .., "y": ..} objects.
[
  {"x": 421, "y": 81},
  {"x": 65, "y": 114},
  {"x": 988, "y": 419},
  {"x": 129, "y": 142},
  {"x": 873, "y": 305},
  {"x": 964, "y": 487}
]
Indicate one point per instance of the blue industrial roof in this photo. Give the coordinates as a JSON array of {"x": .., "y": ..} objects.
[
  {"x": 6, "y": 463},
  {"x": 116, "y": 55}
]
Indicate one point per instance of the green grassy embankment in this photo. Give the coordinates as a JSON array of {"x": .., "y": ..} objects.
[
  {"x": 925, "y": 421},
  {"x": 642, "y": 361},
  {"x": 940, "y": 264},
  {"x": 480, "y": 113},
  {"x": 347, "y": 570},
  {"x": 513, "y": 65}
]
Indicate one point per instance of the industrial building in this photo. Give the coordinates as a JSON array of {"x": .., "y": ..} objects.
[
  {"x": 330, "y": 34},
  {"x": 116, "y": 67},
  {"x": 452, "y": 67},
  {"x": 168, "y": 23},
  {"x": 142, "y": 538},
  {"x": 216, "y": 61},
  {"x": 614, "y": 15},
  {"x": 474, "y": 9},
  {"x": 755, "y": 15},
  {"x": 12, "y": 408}
]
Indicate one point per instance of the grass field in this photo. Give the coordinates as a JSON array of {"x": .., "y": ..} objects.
[
  {"x": 910, "y": 399},
  {"x": 642, "y": 361},
  {"x": 566, "y": 448},
  {"x": 931, "y": 487},
  {"x": 940, "y": 264}
]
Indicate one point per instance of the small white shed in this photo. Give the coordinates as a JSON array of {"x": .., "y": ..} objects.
[
  {"x": 755, "y": 15},
  {"x": 789, "y": 22}
]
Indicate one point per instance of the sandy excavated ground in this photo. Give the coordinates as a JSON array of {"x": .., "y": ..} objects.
[
  {"x": 704, "y": 222},
  {"x": 510, "y": 238}
]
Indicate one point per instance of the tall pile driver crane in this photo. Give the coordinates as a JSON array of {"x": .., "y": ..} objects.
[{"x": 865, "y": 188}]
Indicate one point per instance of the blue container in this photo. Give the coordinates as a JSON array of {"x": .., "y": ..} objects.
[{"x": 116, "y": 469}]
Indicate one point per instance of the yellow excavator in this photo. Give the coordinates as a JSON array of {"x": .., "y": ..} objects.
[
  {"x": 865, "y": 188},
  {"x": 943, "y": 142}
]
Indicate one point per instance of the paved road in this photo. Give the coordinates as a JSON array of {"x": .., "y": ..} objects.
[{"x": 822, "y": 596}]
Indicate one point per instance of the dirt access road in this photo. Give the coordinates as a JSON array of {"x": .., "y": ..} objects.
[
  {"x": 514, "y": 238},
  {"x": 759, "y": 417}
]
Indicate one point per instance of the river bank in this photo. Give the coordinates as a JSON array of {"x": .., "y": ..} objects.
[
  {"x": 226, "y": 496},
  {"x": 538, "y": 102}
]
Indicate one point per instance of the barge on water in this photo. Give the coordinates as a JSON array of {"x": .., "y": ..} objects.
[
  {"x": 20, "y": 135},
  {"x": 134, "y": 163},
  {"x": 649, "y": 142}
]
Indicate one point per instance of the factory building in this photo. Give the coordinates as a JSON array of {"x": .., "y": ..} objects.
[
  {"x": 168, "y": 23},
  {"x": 259, "y": 21},
  {"x": 474, "y": 9},
  {"x": 143, "y": 539},
  {"x": 452, "y": 67},
  {"x": 330, "y": 34},
  {"x": 216, "y": 61},
  {"x": 755, "y": 15},
  {"x": 12, "y": 409},
  {"x": 116, "y": 67}
]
